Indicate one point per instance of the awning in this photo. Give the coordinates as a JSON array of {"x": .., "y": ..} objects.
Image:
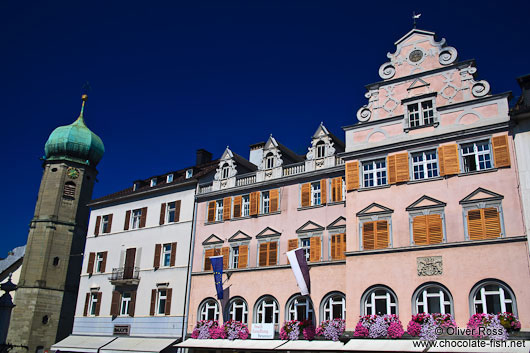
[
  {"x": 138, "y": 344},
  {"x": 235, "y": 344},
  {"x": 317, "y": 346},
  {"x": 76, "y": 343}
]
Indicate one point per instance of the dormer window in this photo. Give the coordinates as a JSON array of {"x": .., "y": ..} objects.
[
  {"x": 153, "y": 182},
  {"x": 321, "y": 149},
  {"x": 225, "y": 171},
  {"x": 189, "y": 173},
  {"x": 136, "y": 186},
  {"x": 269, "y": 161},
  {"x": 421, "y": 113},
  {"x": 169, "y": 178}
]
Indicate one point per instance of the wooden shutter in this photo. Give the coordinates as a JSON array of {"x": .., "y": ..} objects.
[
  {"x": 274, "y": 195},
  {"x": 254, "y": 200},
  {"x": 501, "y": 152},
  {"x": 292, "y": 244},
  {"x": 336, "y": 189},
  {"x": 492, "y": 224},
  {"x": 402, "y": 167},
  {"x": 381, "y": 235},
  {"x": 153, "y": 302},
  {"x": 243, "y": 256},
  {"x": 207, "y": 264},
  {"x": 227, "y": 208},
  {"x": 449, "y": 161},
  {"x": 352, "y": 175},
  {"x": 115, "y": 304},
  {"x": 314, "y": 250},
  {"x": 419, "y": 230},
  {"x": 475, "y": 224},
  {"x": 109, "y": 224},
  {"x": 263, "y": 250},
  {"x": 342, "y": 250},
  {"x": 162, "y": 213},
  {"x": 338, "y": 246},
  {"x": 130, "y": 255},
  {"x": 158, "y": 250},
  {"x": 225, "y": 251},
  {"x": 368, "y": 235},
  {"x": 323, "y": 191},
  {"x": 87, "y": 301},
  {"x": 391, "y": 164},
  {"x": 305, "y": 195},
  {"x": 132, "y": 304},
  {"x": 103, "y": 262},
  {"x": 143, "y": 217},
  {"x": 169, "y": 294},
  {"x": 127, "y": 220},
  {"x": 211, "y": 211},
  {"x": 90, "y": 267},
  {"x": 483, "y": 223},
  {"x": 333, "y": 249},
  {"x": 98, "y": 224},
  {"x": 173, "y": 254},
  {"x": 177, "y": 210},
  {"x": 237, "y": 206},
  {"x": 273, "y": 253},
  {"x": 98, "y": 304},
  {"x": 435, "y": 228}
]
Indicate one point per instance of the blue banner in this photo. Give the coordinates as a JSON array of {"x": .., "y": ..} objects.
[{"x": 217, "y": 266}]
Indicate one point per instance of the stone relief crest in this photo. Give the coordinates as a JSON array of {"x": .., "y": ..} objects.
[{"x": 430, "y": 266}]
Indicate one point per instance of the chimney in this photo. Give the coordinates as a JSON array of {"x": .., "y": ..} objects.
[
  {"x": 256, "y": 153},
  {"x": 203, "y": 157}
]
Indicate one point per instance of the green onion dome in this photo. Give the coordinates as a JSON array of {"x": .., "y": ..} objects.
[{"x": 75, "y": 142}]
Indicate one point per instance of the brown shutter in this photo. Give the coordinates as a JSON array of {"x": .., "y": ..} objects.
[
  {"x": 352, "y": 175},
  {"x": 132, "y": 304},
  {"x": 143, "y": 217},
  {"x": 501, "y": 152},
  {"x": 156, "y": 261},
  {"x": 172, "y": 259},
  {"x": 435, "y": 228},
  {"x": 419, "y": 230},
  {"x": 336, "y": 187},
  {"x": 292, "y": 244},
  {"x": 167, "y": 309},
  {"x": 243, "y": 256},
  {"x": 263, "y": 250},
  {"x": 273, "y": 253},
  {"x": 449, "y": 161},
  {"x": 216, "y": 251},
  {"x": 314, "y": 249},
  {"x": 90, "y": 267},
  {"x": 115, "y": 304},
  {"x": 254, "y": 201},
  {"x": 104, "y": 262},
  {"x": 338, "y": 246},
  {"x": 127, "y": 220},
  {"x": 381, "y": 235},
  {"x": 492, "y": 224},
  {"x": 225, "y": 251},
  {"x": 369, "y": 236},
  {"x": 323, "y": 193},
  {"x": 274, "y": 195},
  {"x": 334, "y": 239},
  {"x": 130, "y": 255},
  {"x": 211, "y": 211},
  {"x": 162, "y": 213},
  {"x": 109, "y": 225},
  {"x": 305, "y": 195},
  {"x": 475, "y": 228},
  {"x": 391, "y": 164},
  {"x": 402, "y": 167},
  {"x": 227, "y": 208},
  {"x": 87, "y": 301},
  {"x": 98, "y": 304},
  {"x": 153, "y": 302},
  {"x": 98, "y": 224},
  {"x": 237, "y": 206},
  {"x": 207, "y": 264},
  {"x": 177, "y": 210},
  {"x": 342, "y": 246}
]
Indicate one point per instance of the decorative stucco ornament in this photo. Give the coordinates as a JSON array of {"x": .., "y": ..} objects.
[
  {"x": 447, "y": 56},
  {"x": 387, "y": 70},
  {"x": 430, "y": 266},
  {"x": 364, "y": 114},
  {"x": 480, "y": 88}
]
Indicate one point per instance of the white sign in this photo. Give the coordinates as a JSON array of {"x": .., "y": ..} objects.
[{"x": 262, "y": 332}]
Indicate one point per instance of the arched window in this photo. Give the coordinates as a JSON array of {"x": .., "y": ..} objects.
[
  {"x": 333, "y": 306},
  {"x": 320, "y": 149},
  {"x": 267, "y": 311},
  {"x": 209, "y": 310},
  {"x": 237, "y": 310},
  {"x": 225, "y": 171},
  {"x": 492, "y": 297},
  {"x": 69, "y": 190},
  {"x": 300, "y": 308},
  {"x": 269, "y": 161},
  {"x": 379, "y": 301},
  {"x": 432, "y": 298}
]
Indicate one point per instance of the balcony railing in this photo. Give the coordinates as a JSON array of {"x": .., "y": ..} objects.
[
  {"x": 125, "y": 275},
  {"x": 294, "y": 169},
  {"x": 204, "y": 188},
  {"x": 246, "y": 179},
  {"x": 339, "y": 161}
]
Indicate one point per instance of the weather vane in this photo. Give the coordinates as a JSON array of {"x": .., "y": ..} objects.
[{"x": 415, "y": 17}]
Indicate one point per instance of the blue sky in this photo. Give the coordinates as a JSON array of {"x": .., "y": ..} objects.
[{"x": 169, "y": 78}]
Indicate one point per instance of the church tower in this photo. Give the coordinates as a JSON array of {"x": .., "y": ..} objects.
[{"x": 47, "y": 289}]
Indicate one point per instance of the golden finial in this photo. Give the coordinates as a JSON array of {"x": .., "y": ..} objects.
[{"x": 84, "y": 97}]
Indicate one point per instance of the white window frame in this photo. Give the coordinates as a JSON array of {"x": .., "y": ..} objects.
[
  {"x": 234, "y": 306},
  {"x": 380, "y": 180},
  {"x": 300, "y": 301},
  {"x": 171, "y": 207},
  {"x": 245, "y": 205},
  {"x": 225, "y": 171},
  {"x": 218, "y": 210},
  {"x": 161, "y": 299},
  {"x": 320, "y": 150},
  {"x": 421, "y": 113},
  {"x": 136, "y": 215},
  {"x": 99, "y": 262},
  {"x": 93, "y": 303},
  {"x": 104, "y": 224},
  {"x": 304, "y": 242},
  {"x": 477, "y": 155},
  {"x": 153, "y": 182},
  {"x": 327, "y": 305},
  {"x": 206, "y": 306},
  {"x": 169, "y": 178},
  {"x": 262, "y": 305},
  {"x": 125, "y": 304},
  {"x": 234, "y": 256},
  {"x": 166, "y": 253},
  {"x": 421, "y": 296},
  {"x": 189, "y": 173},
  {"x": 265, "y": 202},
  {"x": 316, "y": 194},
  {"x": 423, "y": 165},
  {"x": 369, "y": 298},
  {"x": 505, "y": 294},
  {"x": 269, "y": 161}
]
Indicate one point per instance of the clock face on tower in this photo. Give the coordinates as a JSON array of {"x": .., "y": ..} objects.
[{"x": 72, "y": 172}]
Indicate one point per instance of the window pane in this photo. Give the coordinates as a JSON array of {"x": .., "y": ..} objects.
[
  {"x": 493, "y": 304},
  {"x": 433, "y": 303},
  {"x": 380, "y": 306}
]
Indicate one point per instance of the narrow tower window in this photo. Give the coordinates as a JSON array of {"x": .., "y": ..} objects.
[{"x": 69, "y": 190}]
